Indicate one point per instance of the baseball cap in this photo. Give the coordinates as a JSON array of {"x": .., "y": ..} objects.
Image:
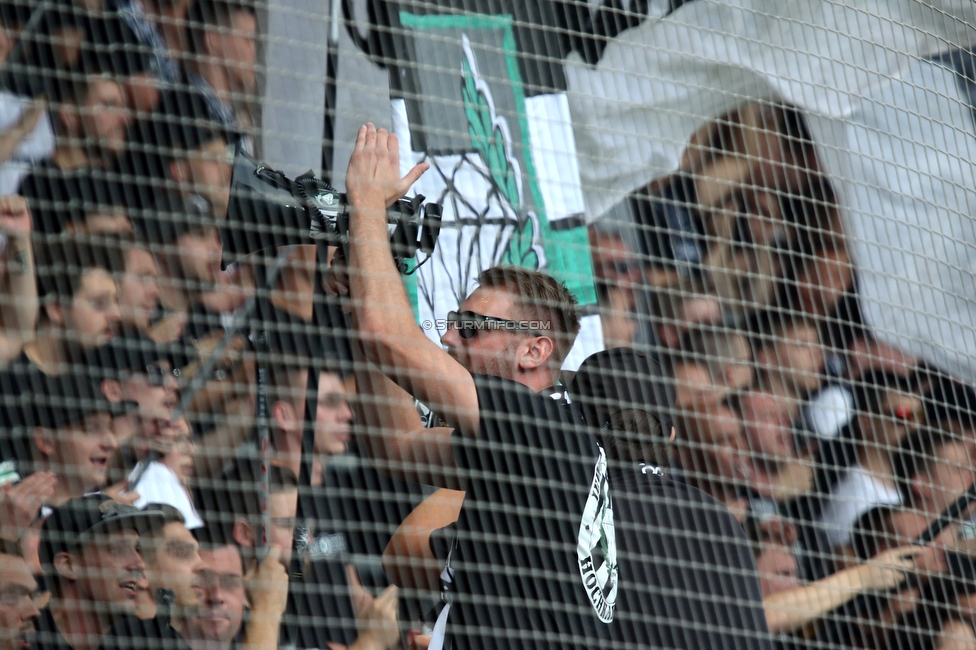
[
  {"x": 130, "y": 352},
  {"x": 170, "y": 216},
  {"x": 180, "y": 123},
  {"x": 84, "y": 520},
  {"x": 619, "y": 379},
  {"x": 61, "y": 198}
]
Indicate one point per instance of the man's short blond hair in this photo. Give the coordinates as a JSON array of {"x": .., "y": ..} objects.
[{"x": 539, "y": 297}]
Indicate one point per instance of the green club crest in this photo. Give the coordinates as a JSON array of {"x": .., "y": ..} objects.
[
  {"x": 491, "y": 138},
  {"x": 596, "y": 547}
]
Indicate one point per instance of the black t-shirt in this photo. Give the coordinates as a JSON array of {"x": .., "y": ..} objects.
[
  {"x": 58, "y": 196},
  {"x": 519, "y": 580},
  {"x": 21, "y": 369},
  {"x": 55, "y": 195},
  {"x": 355, "y": 511},
  {"x": 128, "y": 632},
  {"x": 131, "y": 633},
  {"x": 201, "y": 322},
  {"x": 687, "y": 574},
  {"x": 324, "y": 608},
  {"x": 21, "y": 377},
  {"x": 328, "y": 616},
  {"x": 48, "y": 635}
]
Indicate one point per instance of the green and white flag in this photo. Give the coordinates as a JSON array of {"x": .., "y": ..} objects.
[{"x": 503, "y": 165}]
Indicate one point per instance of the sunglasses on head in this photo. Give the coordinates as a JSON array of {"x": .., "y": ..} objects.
[{"x": 469, "y": 323}]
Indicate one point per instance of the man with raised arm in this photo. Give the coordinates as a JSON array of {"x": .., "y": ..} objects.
[{"x": 526, "y": 468}]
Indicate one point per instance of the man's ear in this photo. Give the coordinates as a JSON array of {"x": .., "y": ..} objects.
[
  {"x": 672, "y": 434},
  {"x": 179, "y": 170},
  {"x": 684, "y": 456},
  {"x": 920, "y": 485},
  {"x": 762, "y": 360},
  {"x": 112, "y": 390},
  {"x": 669, "y": 336},
  {"x": 539, "y": 349},
  {"x": 284, "y": 415},
  {"x": 243, "y": 534},
  {"x": 44, "y": 441},
  {"x": 64, "y": 564},
  {"x": 69, "y": 119},
  {"x": 55, "y": 313},
  {"x": 212, "y": 44}
]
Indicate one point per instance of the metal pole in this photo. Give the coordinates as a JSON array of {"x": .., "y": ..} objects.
[
  {"x": 332, "y": 66},
  {"x": 262, "y": 424},
  {"x": 262, "y": 433},
  {"x": 241, "y": 318},
  {"x": 327, "y": 323}
]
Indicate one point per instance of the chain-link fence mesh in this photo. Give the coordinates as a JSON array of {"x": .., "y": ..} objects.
[{"x": 629, "y": 324}]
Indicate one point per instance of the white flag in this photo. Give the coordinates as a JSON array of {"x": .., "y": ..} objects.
[{"x": 884, "y": 86}]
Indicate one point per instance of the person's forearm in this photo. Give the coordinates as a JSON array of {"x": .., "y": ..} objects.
[
  {"x": 379, "y": 301},
  {"x": 10, "y": 140},
  {"x": 408, "y": 559},
  {"x": 366, "y": 641},
  {"x": 382, "y": 312},
  {"x": 10, "y": 349},
  {"x": 391, "y": 339},
  {"x": 20, "y": 304},
  {"x": 394, "y": 437},
  {"x": 262, "y": 632},
  {"x": 788, "y": 610}
]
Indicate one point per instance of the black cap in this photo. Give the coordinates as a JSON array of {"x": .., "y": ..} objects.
[
  {"x": 669, "y": 227},
  {"x": 130, "y": 352},
  {"x": 172, "y": 216},
  {"x": 180, "y": 123},
  {"x": 127, "y": 54},
  {"x": 58, "y": 198},
  {"x": 112, "y": 49},
  {"x": 68, "y": 399},
  {"x": 83, "y": 520},
  {"x": 15, "y": 13},
  {"x": 619, "y": 379}
]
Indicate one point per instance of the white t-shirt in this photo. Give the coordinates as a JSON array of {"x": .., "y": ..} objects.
[
  {"x": 159, "y": 484},
  {"x": 854, "y": 495},
  {"x": 35, "y": 148},
  {"x": 829, "y": 411}
]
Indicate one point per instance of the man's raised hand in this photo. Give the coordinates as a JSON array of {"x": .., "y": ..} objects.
[
  {"x": 120, "y": 492},
  {"x": 267, "y": 584},
  {"x": 373, "y": 175},
  {"x": 379, "y": 627},
  {"x": 20, "y": 503}
]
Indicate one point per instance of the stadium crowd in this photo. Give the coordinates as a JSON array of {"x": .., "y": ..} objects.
[{"x": 743, "y": 466}]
